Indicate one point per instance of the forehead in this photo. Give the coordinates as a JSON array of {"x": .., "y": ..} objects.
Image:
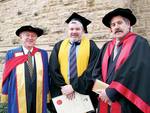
[{"x": 116, "y": 18}]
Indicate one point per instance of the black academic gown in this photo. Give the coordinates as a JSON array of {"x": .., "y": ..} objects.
[
  {"x": 85, "y": 81},
  {"x": 30, "y": 84},
  {"x": 133, "y": 77}
]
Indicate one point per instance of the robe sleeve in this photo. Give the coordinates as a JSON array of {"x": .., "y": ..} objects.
[
  {"x": 57, "y": 79},
  {"x": 5, "y": 85},
  {"x": 96, "y": 73}
]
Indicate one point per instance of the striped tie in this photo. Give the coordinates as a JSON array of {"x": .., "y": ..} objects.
[
  {"x": 30, "y": 66},
  {"x": 72, "y": 62}
]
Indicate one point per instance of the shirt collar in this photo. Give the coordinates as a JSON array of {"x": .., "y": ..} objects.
[
  {"x": 25, "y": 50},
  {"x": 76, "y": 43}
]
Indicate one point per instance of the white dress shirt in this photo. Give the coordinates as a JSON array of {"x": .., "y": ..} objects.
[{"x": 25, "y": 50}]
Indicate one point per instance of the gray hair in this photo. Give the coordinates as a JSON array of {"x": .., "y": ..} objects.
[{"x": 75, "y": 21}]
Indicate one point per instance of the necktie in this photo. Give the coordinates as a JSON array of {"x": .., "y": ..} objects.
[
  {"x": 30, "y": 66},
  {"x": 72, "y": 62}
]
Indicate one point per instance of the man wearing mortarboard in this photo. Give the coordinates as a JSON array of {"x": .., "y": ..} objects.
[{"x": 71, "y": 73}]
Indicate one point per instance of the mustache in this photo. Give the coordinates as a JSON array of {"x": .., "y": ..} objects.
[{"x": 118, "y": 30}]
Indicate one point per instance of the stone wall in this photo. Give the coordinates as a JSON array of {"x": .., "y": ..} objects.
[
  {"x": 51, "y": 14},
  {"x": 141, "y": 9}
]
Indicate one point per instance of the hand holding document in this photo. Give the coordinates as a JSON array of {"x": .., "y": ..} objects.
[
  {"x": 80, "y": 104},
  {"x": 99, "y": 85}
]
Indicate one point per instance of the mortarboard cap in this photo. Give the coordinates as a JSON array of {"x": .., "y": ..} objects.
[{"x": 85, "y": 22}]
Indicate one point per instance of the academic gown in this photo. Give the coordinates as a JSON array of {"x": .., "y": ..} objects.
[
  {"x": 84, "y": 82},
  {"x": 129, "y": 82},
  {"x": 26, "y": 92}
]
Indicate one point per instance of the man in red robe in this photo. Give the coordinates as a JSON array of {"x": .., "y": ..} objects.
[{"x": 124, "y": 64}]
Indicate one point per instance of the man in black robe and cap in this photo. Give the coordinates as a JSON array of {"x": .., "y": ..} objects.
[
  {"x": 72, "y": 61},
  {"x": 124, "y": 64}
]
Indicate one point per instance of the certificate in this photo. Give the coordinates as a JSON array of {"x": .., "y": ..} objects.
[{"x": 80, "y": 104}]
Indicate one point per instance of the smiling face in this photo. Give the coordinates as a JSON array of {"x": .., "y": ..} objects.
[
  {"x": 28, "y": 39},
  {"x": 119, "y": 27},
  {"x": 75, "y": 30}
]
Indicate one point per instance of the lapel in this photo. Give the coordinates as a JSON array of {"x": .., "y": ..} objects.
[
  {"x": 34, "y": 72},
  {"x": 112, "y": 65}
]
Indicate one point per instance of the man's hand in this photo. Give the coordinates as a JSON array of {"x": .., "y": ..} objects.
[
  {"x": 103, "y": 96},
  {"x": 68, "y": 91}
]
